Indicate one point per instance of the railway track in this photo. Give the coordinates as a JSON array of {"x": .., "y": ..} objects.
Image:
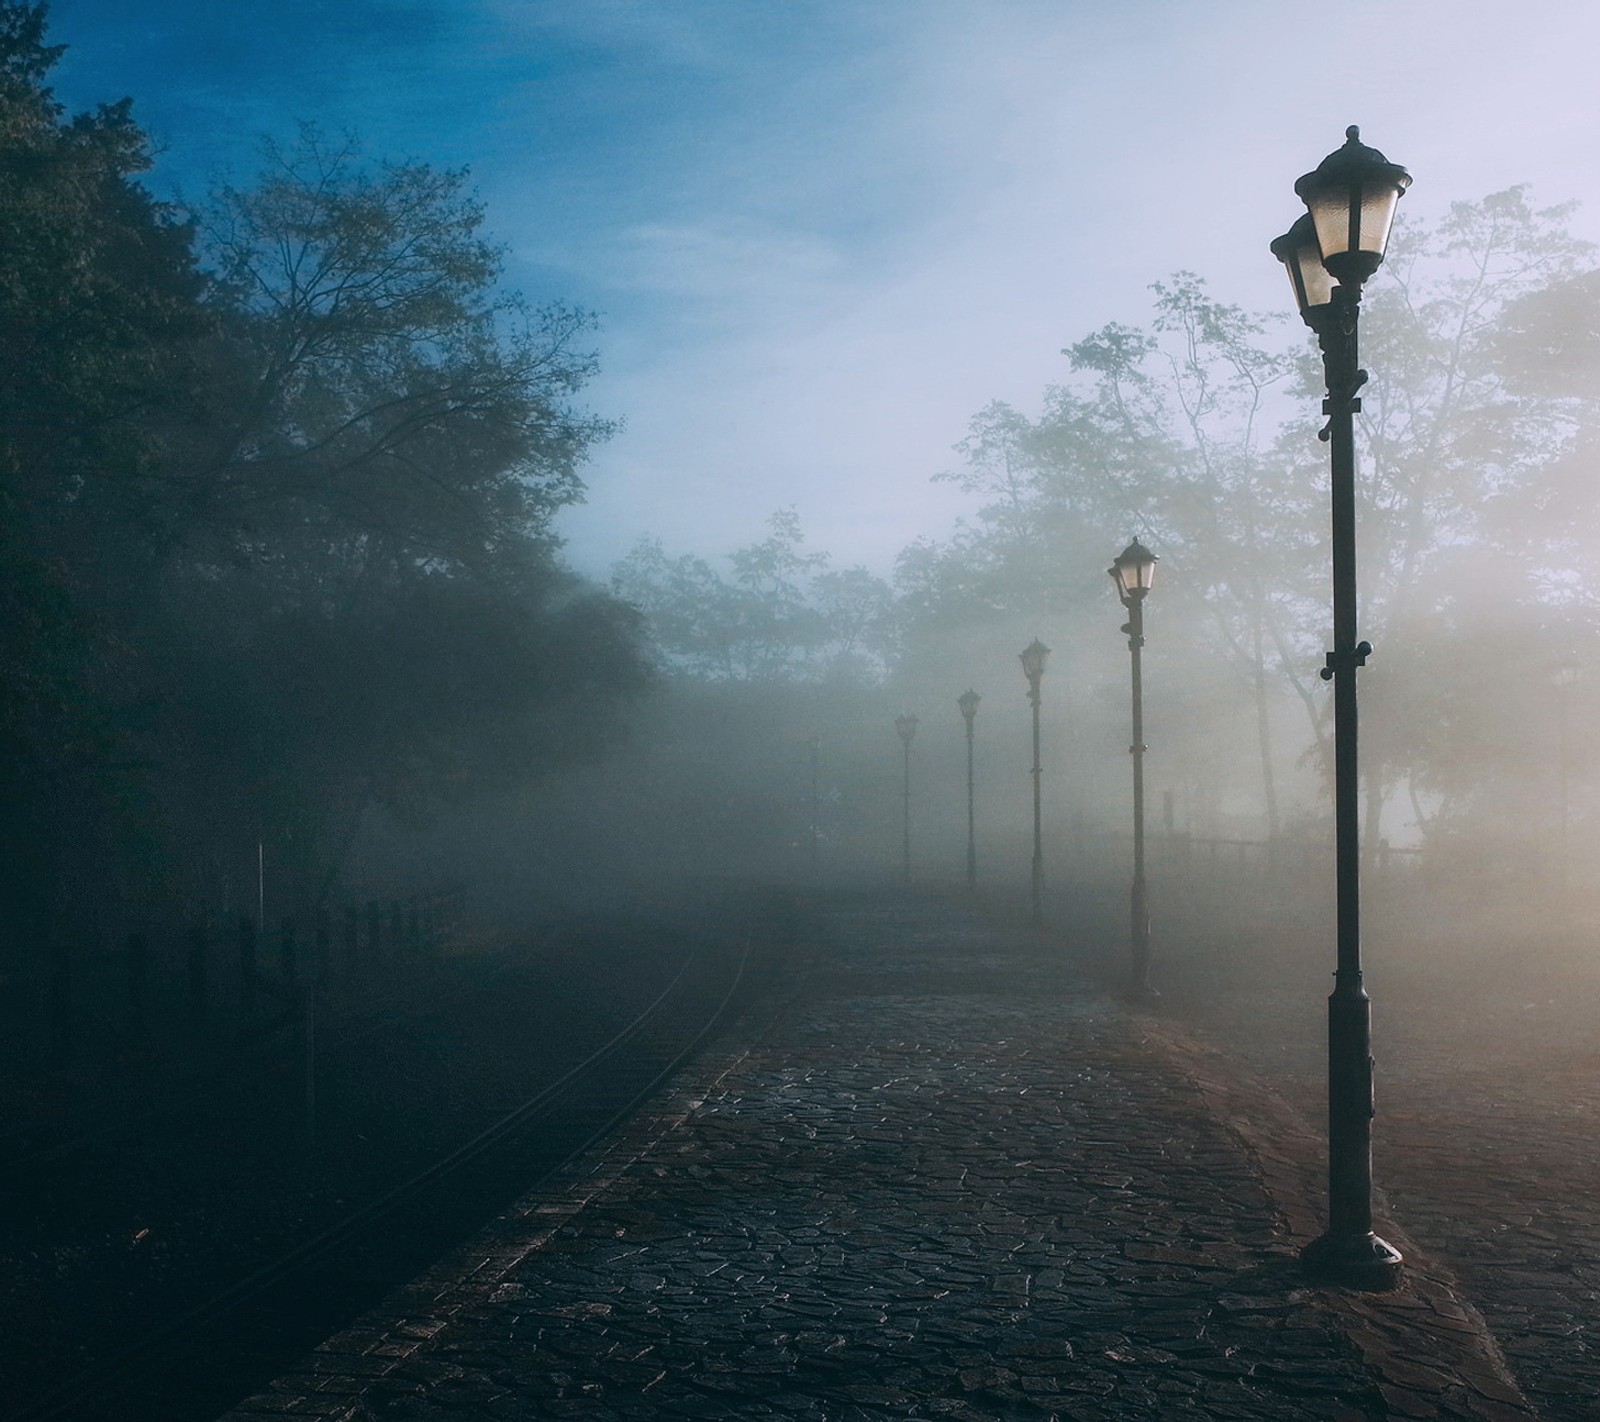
[{"x": 232, "y": 1326}]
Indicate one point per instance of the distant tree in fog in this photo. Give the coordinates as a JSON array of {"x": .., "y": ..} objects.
[
  {"x": 769, "y": 667},
  {"x": 1479, "y": 534},
  {"x": 1161, "y": 433},
  {"x": 1198, "y": 432},
  {"x": 780, "y": 614}
]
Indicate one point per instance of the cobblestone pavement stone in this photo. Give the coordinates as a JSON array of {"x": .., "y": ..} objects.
[{"x": 948, "y": 1180}]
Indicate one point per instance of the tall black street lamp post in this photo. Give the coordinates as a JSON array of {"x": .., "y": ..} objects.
[
  {"x": 968, "y": 702},
  {"x": 1562, "y": 679},
  {"x": 905, "y": 727},
  {"x": 1134, "y": 573},
  {"x": 1034, "y": 656},
  {"x": 1329, "y": 253}
]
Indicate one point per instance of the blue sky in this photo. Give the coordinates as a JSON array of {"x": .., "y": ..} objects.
[{"x": 821, "y": 234}]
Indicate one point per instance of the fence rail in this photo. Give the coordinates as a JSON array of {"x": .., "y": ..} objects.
[
  {"x": 211, "y": 986},
  {"x": 1185, "y": 849}
]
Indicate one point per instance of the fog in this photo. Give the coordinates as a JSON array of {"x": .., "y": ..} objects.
[
  {"x": 821, "y": 241},
  {"x": 532, "y": 453},
  {"x": 885, "y": 333}
]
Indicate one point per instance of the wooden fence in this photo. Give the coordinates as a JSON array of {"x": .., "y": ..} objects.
[{"x": 144, "y": 997}]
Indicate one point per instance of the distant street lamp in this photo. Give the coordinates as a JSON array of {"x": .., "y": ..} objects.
[
  {"x": 906, "y": 727},
  {"x": 1034, "y": 656},
  {"x": 815, "y": 745},
  {"x": 1562, "y": 679},
  {"x": 1339, "y": 243},
  {"x": 968, "y": 702},
  {"x": 1134, "y": 572}
]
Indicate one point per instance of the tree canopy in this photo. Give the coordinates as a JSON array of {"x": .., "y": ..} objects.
[
  {"x": 782, "y": 614},
  {"x": 278, "y": 477},
  {"x": 1195, "y": 430}
]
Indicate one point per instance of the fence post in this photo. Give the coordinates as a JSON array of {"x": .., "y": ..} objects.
[
  {"x": 321, "y": 964},
  {"x": 308, "y": 1042},
  {"x": 61, "y": 1035},
  {"x": 247, "y": 968},
  {"x": 288, "y": 961},
  {"x": 199, "y": 976},
  {"x": 138, "y": 975}
]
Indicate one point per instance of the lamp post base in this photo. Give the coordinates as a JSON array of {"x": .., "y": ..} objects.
[{"x": 1356, "y": 1260}]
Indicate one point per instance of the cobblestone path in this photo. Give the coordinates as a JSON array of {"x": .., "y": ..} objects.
[{"x": 948, "y": 1181}]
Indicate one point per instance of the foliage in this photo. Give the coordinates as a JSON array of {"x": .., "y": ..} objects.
[
  {"x": 378, "y": 381},
  {"x": 1480, "y": 430},
  {"x": 1196, "y": 431},
  {"x": 782, "y": 614},
  {"x": 278, "y": 479}
]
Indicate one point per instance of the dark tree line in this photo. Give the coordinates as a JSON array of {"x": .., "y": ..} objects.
[{"x": 277, "y": 477}]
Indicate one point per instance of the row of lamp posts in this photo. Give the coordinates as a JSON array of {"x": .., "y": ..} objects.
[
  {"x": 1133, "y": 572},
  {"x": 1329, "y": 253}
]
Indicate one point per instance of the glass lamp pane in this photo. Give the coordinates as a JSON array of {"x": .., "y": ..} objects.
[
  {"x": 1351, "y": 196},
  {"x": 1313, "y": 285},
  {"x": 1316, "y": 280},
  {"x": 1134, "y": 569},
  {"x": 1330, "y": 211},
  {"x": 1378, "y": 202},
  {"x": 1294, "y": 285}
]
